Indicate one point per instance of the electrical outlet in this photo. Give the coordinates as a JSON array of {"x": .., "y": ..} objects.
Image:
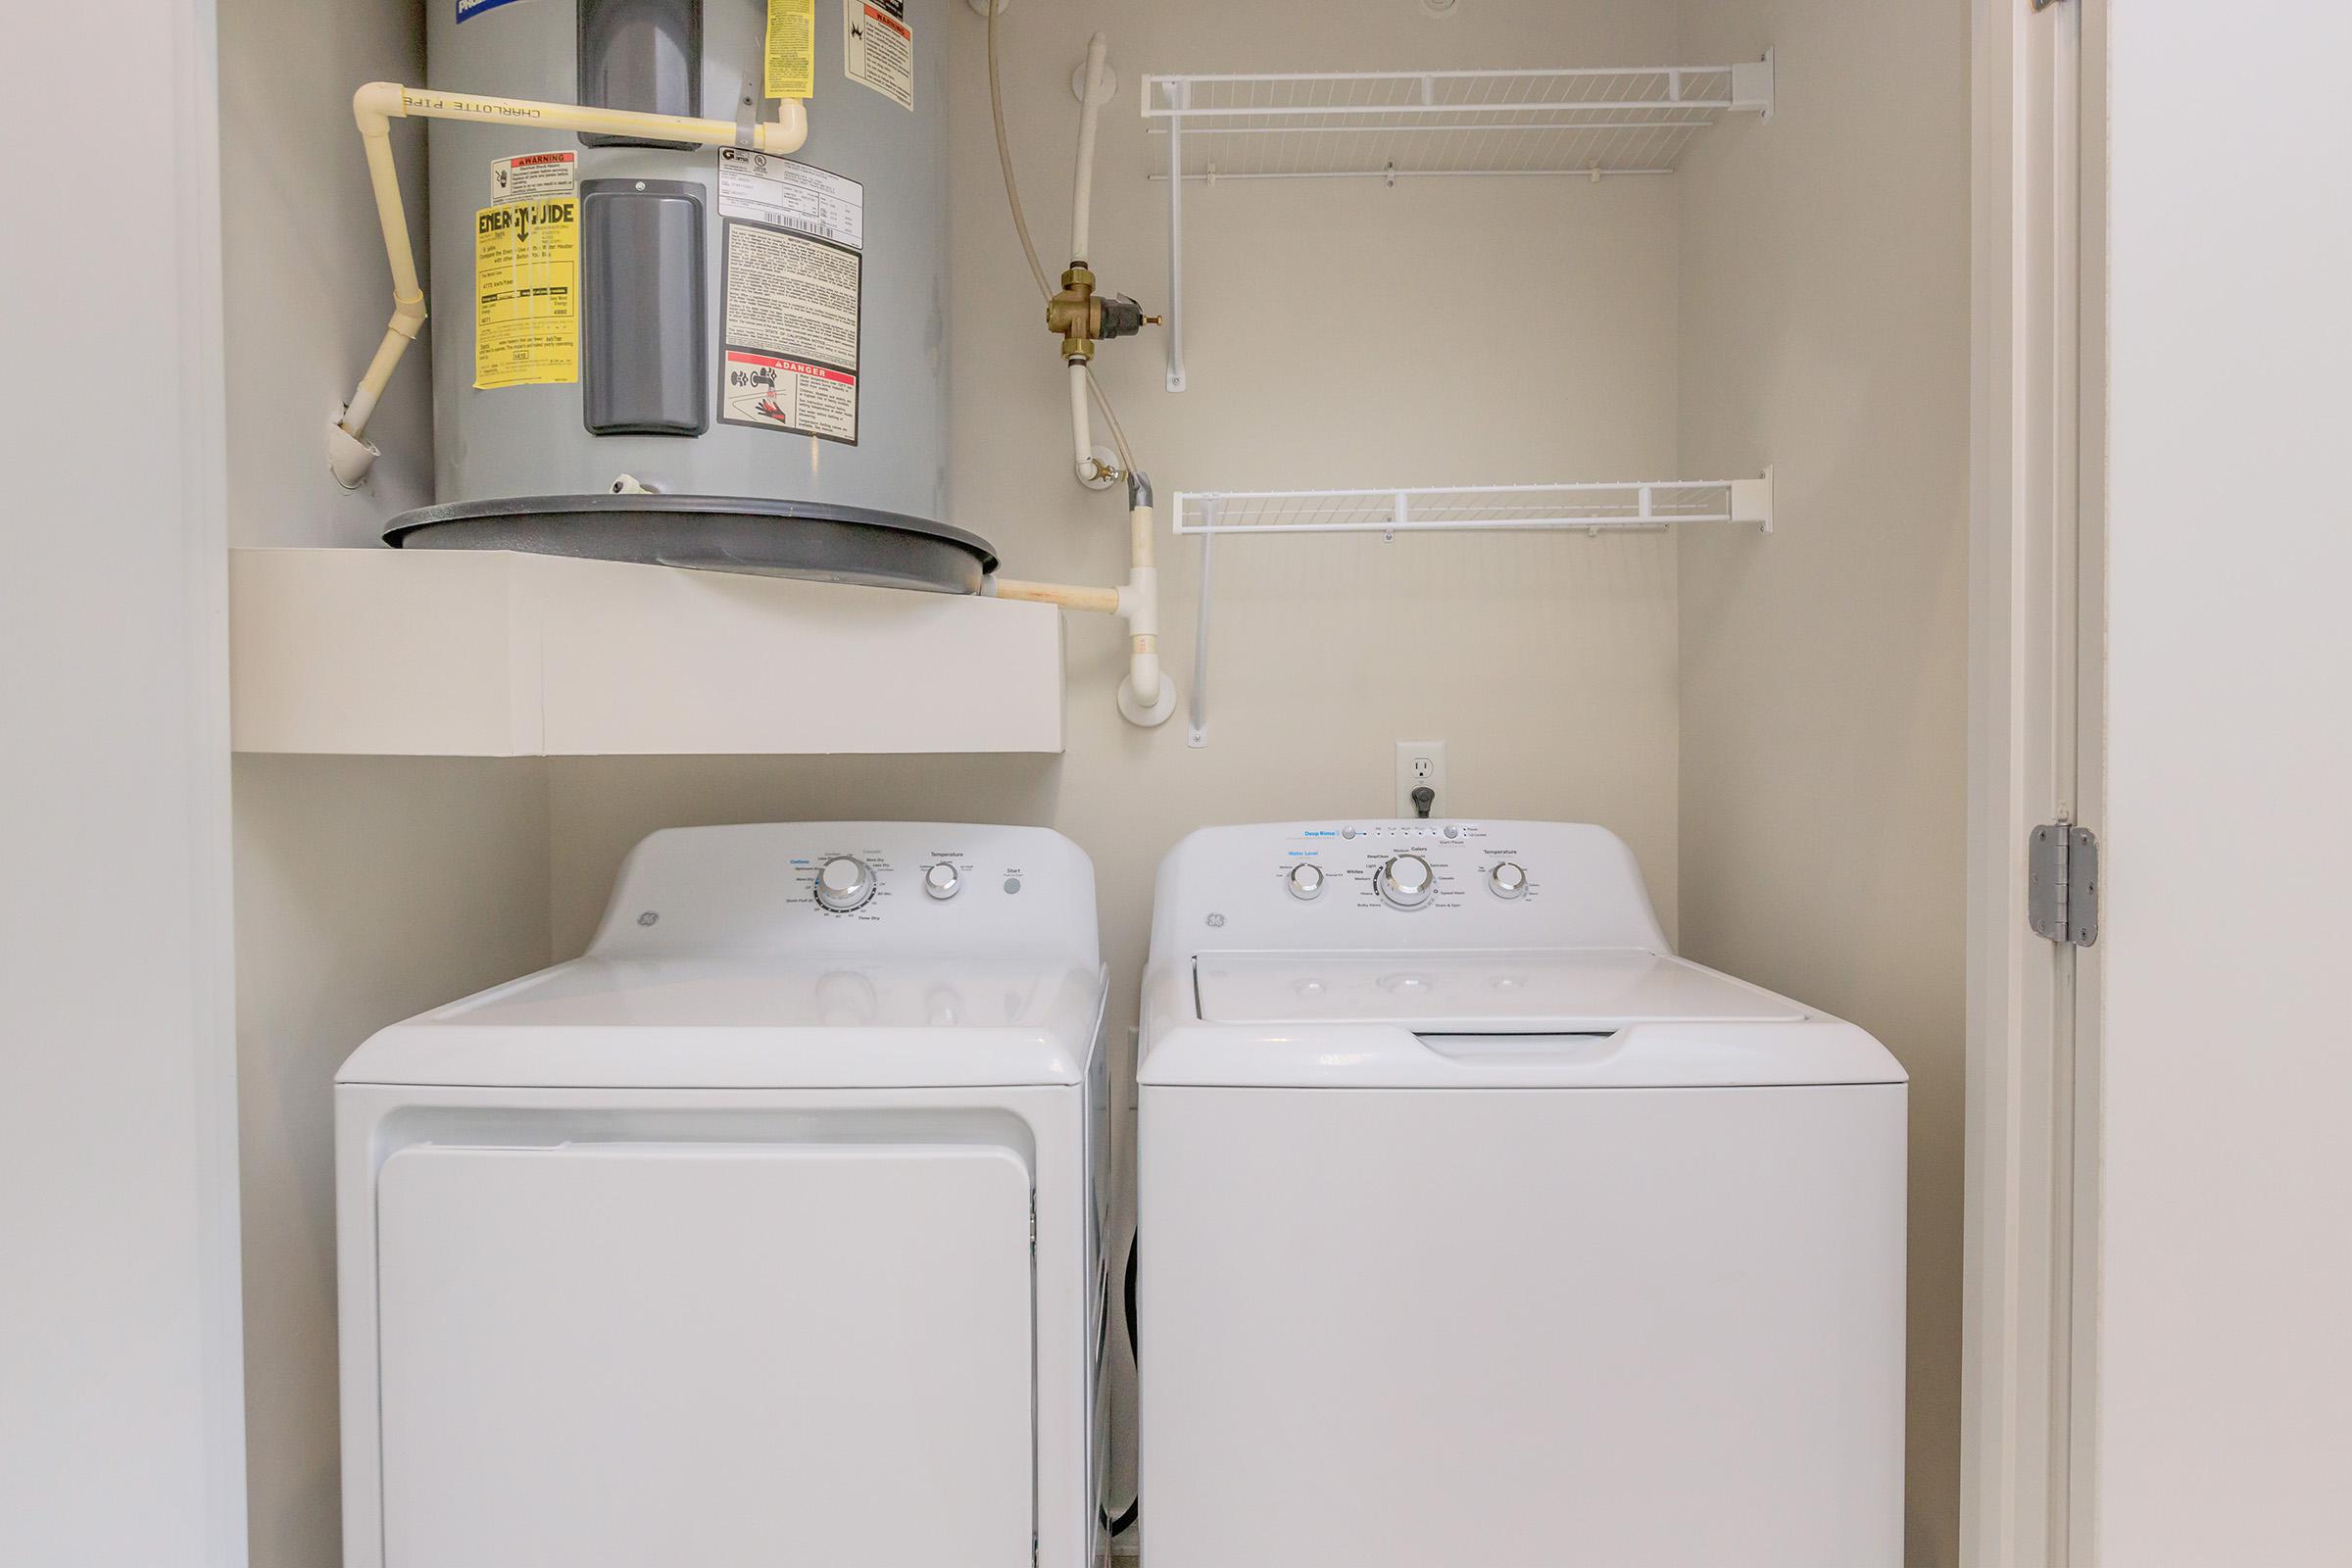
[{"x": 1420, "y": 764}]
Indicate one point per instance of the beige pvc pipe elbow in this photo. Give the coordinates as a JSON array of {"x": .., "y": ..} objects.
[
  {"x": 1146, "y": 697},
  {"x": 377, "y": 104}
]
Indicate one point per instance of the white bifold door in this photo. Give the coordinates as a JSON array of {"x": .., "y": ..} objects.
[{"x": 620, "y": 1354}]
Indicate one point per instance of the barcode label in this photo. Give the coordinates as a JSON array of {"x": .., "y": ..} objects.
[{"x": 763, "y": 188}]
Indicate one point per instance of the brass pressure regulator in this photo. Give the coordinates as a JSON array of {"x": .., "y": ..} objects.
[{"x": 1081, "y": 318}]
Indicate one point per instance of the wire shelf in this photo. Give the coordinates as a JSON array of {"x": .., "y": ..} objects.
[
  {"x": 1590, "y": 506},
  {"x": 1410, "y": 125},
  {"x": 1403, "y": 125}
]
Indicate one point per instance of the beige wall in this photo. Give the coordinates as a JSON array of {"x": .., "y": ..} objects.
[{"x": 1825, "y": 330}]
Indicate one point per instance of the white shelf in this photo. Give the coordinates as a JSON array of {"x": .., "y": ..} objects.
[
  {"x": 1413, "y": 125},
  {"x": 1590, "y": 506},
  {"x": 1395, "y": 124},
  {"x": 491, "y": 654}
]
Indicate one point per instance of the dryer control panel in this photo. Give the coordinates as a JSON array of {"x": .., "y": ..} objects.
[
  {"x": 854, "y": 887},
  {"x": 1377, "y": 884}
]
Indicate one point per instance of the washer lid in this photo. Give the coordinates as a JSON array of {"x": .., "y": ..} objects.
[{"x": 1561, "y": 991}]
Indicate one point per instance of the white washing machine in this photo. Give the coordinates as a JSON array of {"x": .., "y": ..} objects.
[
  {"x": 765, "y": 1232},
  {"x": 1478, "y": 1227}
]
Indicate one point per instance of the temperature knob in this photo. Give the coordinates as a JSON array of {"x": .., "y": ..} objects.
[
  {"x": 942, "y": 881},
  {"x": 1306, "y": 880},
  {"x": 1405, "y": 882},
  {"x": 1508, "y": 880},
  {"x": 844, "y": 883}
]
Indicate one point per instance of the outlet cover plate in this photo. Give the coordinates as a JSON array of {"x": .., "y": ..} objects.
[{"x": 1420, "y": 762}]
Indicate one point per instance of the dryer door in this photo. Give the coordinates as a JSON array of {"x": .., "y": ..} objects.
[{"x": 610, "y": 1355}]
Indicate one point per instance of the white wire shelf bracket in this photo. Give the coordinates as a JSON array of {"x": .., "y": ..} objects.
[
  {"x": 1594, "y": 508},
  {"x": 1419, "y": 125}
]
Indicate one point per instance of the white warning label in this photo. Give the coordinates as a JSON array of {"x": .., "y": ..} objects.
[
  {"x": 536, "y": 174},
  {"x": 780, "y": 394},
  {"x": 878, "y": 47},
  {"x": 763, "y": 188},
  {"x": 791, "y": 324}
]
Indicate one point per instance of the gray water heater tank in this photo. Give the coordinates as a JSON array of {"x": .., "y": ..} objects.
[{"x": 696, "y": 356}]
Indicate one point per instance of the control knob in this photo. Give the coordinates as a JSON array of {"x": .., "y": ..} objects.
[
  {"x": 1405, "y": 882},
  {"x": 844, "y": 883},
  {"x": 1508, "y": 880},
  {"x": 942, "y": 881},
  {"x": 1306, "y": 880}
]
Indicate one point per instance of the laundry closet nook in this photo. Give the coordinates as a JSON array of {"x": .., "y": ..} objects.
[
  {"x": 1336, "y": 785},
  {"x": 1622, "y": 452}
]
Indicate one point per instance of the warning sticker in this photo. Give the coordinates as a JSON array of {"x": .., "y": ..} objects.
[
  {"x": 527, "y": 271},
  {"x": 763, "y": 188},
  {"x": 878, "y": 47},
  {"x": 522, "y": 179},
  {"x": 778, "y": 393},
  {"x": 791, "y": 310},
  {"x": 791, "y": 48}
]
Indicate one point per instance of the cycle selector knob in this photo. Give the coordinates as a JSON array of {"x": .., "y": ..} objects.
[
  {"x": 1306, "y": 880},
  {"x": 844, "y": 883},
  {"x": 1508, "y": 880},
  {"x": 1405, "y": 882},
  {"x": 942, "y": 881}
]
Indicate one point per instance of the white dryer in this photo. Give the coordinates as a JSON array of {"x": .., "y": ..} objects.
[
  {"x": 763, "y": 1233},
  {"x": 1478, "y": 1227}
]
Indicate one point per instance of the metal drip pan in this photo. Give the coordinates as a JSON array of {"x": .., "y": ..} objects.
[{"x": 757, "y": 537}]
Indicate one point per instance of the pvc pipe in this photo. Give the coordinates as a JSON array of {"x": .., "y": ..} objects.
[
  {"x": 783, "y": 134},
  {"x": 1144, "y": 690},
  {"x": 1089, "y": 109},
  {"x": 1101, "y": 601},
  {"x": 1146, "y": 697},
  {"x": 377, "y": 104},
  {"x": 1082, "y": 428}
]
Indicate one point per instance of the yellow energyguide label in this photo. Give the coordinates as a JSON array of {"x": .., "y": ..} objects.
[
  {"x": 791, "y": 48},
  {"x": 527, "y": 284}
]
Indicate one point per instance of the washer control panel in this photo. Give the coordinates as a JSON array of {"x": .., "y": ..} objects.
[
  {"x": 1404, "y": 866},
  {"x": 1391, "y": 884}
]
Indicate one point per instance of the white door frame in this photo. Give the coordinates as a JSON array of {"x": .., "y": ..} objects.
[{"x": 2035, "y": 588}]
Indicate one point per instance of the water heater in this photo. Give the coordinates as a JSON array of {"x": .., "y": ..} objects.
[{"x": 692, "y": 355}]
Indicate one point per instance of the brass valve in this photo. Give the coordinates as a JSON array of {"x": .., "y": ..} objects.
[{"x": 1081, "y": 318}]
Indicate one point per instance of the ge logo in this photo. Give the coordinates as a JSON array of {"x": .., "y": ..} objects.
[{"x": 1216, "y": 920}]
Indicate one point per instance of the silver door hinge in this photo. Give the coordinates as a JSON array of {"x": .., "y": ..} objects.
[{"x": 2062, "y": 884}]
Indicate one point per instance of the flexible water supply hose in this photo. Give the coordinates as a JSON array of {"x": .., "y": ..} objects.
[{"x": 1082, "y": 197}]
